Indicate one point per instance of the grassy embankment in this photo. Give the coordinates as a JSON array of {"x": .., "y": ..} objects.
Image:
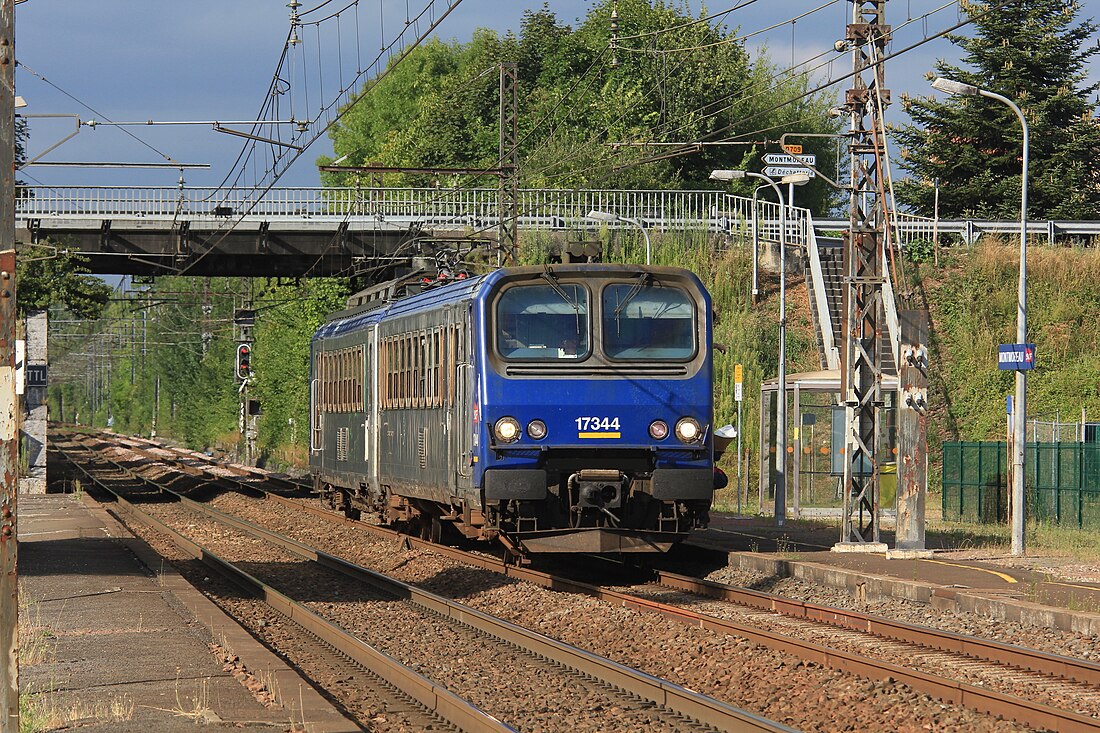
[{"x": 971, "y": 298}]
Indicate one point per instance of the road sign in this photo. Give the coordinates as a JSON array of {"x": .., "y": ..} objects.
[
  {"x": 775, "y": 171},
  {"x": 738, "y": 373},
  {"x": 793, "y": 149},
  {"x": 781, "y": 159},
  {"x": 37, "y": 375},
  {"x": 1016, "y": 357}
]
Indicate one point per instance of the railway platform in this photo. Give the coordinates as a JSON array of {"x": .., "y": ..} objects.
[
  {"x": 113, "y": 639},
  {"x": 1029, "y": 590}
]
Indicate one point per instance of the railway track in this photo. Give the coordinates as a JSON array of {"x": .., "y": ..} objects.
[
  {"x": 528, "y": 665},
  {"x": 844, "y": 640}
]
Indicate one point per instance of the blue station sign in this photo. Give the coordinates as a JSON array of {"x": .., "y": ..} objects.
[{"x": 1016, "y": 357}]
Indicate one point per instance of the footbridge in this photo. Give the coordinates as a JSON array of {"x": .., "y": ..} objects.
[{"x": 338, "y": 231}]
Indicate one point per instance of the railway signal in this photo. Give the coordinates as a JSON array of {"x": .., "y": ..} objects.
[{"x": 244, "y": 361}]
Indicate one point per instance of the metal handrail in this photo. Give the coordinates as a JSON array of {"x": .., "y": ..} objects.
[
  {"x": 538, "y": 208},
  {"x": 821, "y": 301}
]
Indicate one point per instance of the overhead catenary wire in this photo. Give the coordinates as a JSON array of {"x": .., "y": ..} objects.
[
  {"x": 93, "y": 110},
  {"x": 716, "y": 134},
  {"x": 673, "y": 29},
  {"x": 791, "y": 71},
  {"x": 282, "y": 160},
  {"x": 731, "y": 39}
]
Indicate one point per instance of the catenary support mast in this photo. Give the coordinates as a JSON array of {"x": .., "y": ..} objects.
[{"x": 861, "y": 372}]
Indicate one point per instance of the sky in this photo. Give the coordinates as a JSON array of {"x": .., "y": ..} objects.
[{"x": 206, "y": 60}]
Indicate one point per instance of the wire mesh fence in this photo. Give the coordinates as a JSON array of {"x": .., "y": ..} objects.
[{"x": 1061, "y": 482}]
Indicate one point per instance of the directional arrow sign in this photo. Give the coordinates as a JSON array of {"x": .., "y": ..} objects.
[
  {"x": 775, "y": 171},
  {"x": 781, "y": 159}
]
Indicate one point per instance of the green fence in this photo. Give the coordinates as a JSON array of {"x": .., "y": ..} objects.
[{"x": 1062, "y": 482}]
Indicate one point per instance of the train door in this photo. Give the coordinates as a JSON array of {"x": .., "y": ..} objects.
[
  {"x": 466, "y": 403},
  {"x": 370, "y": 407},
  {"x": 316, "y": 415}
]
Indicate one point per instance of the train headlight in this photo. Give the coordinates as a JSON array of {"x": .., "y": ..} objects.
[
  {"x": 507, "y": 430},
  {"x": 658, "y": 430},
  {"x": 688, "y": 430},
  {"x": 536, "y": 429}
]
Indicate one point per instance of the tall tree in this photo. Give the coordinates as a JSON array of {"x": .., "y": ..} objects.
[
  {"x": 586, "y": 111},
  {"x": 1036, "y": 53},
  {"x": 45, "y": 280}
]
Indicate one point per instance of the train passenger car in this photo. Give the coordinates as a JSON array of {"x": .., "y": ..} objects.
[{"x": 562, "y": 408}]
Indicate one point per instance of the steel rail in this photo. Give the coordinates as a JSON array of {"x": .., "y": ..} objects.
[
  {"x": 987, "y": 701},
  {"x": 1069, "y": 668},
  {"x": 182, "y": 456},
  {"x": 436, "y": 698},
  {"x": 952, "y": 691},
  {"x": 674, "y": 698}
]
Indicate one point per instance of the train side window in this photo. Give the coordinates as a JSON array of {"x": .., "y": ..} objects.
[
  {"x": 345, "y": 373},
  {"x": 336, "y": 377},
  {"x": 418, "y": 371},
  {"x": 436, "y": 371},
  {"x": 422, "y": 377},
  {"x": 411, "y": 340},
  {"x": 406, "y": 371},
  {"x": 386, "y": 370},
  {"x": 387, "y": 373},
  {"x": 326, "y": 366},
  {"x": 336, "y": 381},
  {"x": 341, "y": 372},
  {"x": 357, "y": 403},
  {"x": 399, "y": 372},
  {"x": 448, "y": 365},
  {"x": 429, "y": 388}
]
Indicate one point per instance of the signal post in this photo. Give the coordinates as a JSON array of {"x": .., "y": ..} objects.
[{"x": 244, "y": 319}]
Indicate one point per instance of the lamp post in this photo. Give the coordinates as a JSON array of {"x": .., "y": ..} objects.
[
  {"x": 610, "y": 218},
  {"x": 1019, "y": 409},
  {"x": 781, "y": 403},
  {"x": 755, "y": 243}
]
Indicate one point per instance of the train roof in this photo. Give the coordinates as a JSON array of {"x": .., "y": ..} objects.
[{"x": 452, "y": 292}]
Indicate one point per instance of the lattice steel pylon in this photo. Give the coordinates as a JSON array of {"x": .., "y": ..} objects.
[
  {"x": 861, "y": 372},
  {"x": 508, "y": 180}
]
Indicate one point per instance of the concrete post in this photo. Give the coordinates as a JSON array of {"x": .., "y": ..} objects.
[
  {"x": 912, "y": 412},
  {"x": 35, "y": 410}
]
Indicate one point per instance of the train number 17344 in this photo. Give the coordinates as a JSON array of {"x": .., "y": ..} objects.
[{"x": 597, "y": 423}]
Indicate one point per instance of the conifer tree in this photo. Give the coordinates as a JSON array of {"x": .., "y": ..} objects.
[{"x": 1036, "y": 53}]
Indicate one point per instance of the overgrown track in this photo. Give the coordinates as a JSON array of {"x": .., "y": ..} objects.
[
  {"x": 1065, "y": 683},
  {"x": 533, "y": 666}
]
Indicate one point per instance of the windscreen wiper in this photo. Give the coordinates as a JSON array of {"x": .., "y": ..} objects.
[
  {"x": 548, "y": 275},
  {"x": 632, "y": 293}
]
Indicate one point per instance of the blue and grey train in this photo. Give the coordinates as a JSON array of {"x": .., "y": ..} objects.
[{"x": 563, "y": 408}]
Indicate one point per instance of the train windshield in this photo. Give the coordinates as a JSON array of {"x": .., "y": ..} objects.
[
  {"x": 645, "y": 321},
  {"x": 543, "y": 322}
]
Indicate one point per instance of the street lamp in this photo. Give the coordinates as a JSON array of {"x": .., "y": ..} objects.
[
  {"x": 1019, "y": 409},
  {"x": 781, "y": 403},
  {"x": 755, "y": 243},
  {"x": 612, "y": 218}
]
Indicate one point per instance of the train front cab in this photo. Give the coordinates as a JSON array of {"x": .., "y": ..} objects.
[{"x": 597, "y": 400}]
